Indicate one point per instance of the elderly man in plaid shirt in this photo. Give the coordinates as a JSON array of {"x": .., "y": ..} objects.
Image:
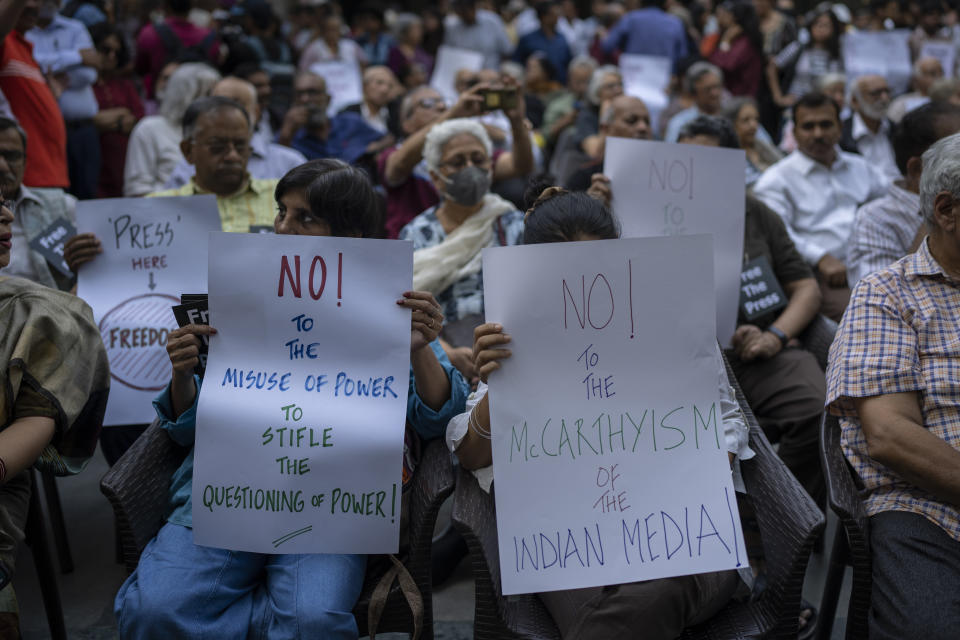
[{"x": 894, "y": 380}]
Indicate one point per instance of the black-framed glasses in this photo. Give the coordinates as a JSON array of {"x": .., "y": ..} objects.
[
  {"x": 220, "y": 146},
  {"x": 12, "y": 156}
]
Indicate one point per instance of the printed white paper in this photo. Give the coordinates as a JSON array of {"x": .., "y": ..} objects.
[{"x": 449, "y": 61}]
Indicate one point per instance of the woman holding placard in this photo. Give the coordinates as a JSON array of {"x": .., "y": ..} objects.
[
  {"x": 662, "y": 608},
  {"x": 182, "y": 590},
  {"x": 54, "y": 381}
]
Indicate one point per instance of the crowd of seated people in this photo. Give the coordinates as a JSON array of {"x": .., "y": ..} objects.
[{"x": 851, "y": 198}]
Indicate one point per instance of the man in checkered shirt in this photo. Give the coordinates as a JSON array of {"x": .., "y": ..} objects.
[{"x": 894, "y": 380}]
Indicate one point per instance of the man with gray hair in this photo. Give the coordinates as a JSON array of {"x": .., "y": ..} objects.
[
  {"x": 926, "y": 71},
  {"x": 267, "y": 159},
  {"x": 704, "y": 82},
  {"x": 867, "y": 131},
  {"x": 894, "y": 382},
  {"x": 34, "y": 211},
  {"x": 562, "y": 111}
]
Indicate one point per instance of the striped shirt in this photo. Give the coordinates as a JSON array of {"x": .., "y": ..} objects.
[
  {"x": 253, "y": 206},
  {"x": 883, "y": 232},
  {"x": 900, "y": 334}
]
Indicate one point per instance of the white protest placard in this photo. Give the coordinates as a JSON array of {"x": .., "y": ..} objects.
[
  {"x": 609, "y": 459},
  {"x": 449, "y": 61},
  {"x": 299, "y": 441},
  {"x": 154, "y": 250},
  {"x": 943, "y": 51},
  {"x": 885, "y": 53},
  {"x": 344, "y": 83},
  {"x": 663, "y": 189},
  {"x": 647, "y": 78}
]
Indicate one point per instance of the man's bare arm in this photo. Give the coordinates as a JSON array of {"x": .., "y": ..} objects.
[{"x": 896, "y": 438}]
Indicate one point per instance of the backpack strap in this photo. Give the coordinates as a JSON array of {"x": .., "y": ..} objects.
[
  {"x": 171, "y": 42},
  {"x": 381, "y": 592}
]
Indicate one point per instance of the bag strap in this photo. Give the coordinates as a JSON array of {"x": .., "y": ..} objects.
[
  {"x": 381, "y": 592},
  {"x": 172, "y": 43},
  {"x": 501, "y": 234}
]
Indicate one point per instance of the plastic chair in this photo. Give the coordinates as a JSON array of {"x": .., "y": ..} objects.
[
  {"x": 137, "y": 488},
  {"x": 851, "y": 544},
  {"x": 789, "y": 523}
]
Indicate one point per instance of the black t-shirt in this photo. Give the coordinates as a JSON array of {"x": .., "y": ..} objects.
[{"x": 764, "y": 234}]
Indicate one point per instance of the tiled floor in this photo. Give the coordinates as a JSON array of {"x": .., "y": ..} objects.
[{"x": 88, "y": 591}]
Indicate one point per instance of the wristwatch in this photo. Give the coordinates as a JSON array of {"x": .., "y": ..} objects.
[{"x": 784, "y": 339}]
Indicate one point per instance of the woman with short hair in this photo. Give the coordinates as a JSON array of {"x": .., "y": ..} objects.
[{"x": 182, "y": 590}]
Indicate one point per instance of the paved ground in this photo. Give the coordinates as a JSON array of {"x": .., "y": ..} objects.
[{"x": 88, "y": 591}]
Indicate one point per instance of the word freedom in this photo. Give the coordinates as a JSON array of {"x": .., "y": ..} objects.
[{"x": 646, "y": 429}]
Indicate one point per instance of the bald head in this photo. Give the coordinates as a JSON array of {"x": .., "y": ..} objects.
[
  {"x": 625, "y": 117},
  {"x": 926, "y": 71},
  {"x": 243, "y": 92},
  {"x": 378, "y": 85}
]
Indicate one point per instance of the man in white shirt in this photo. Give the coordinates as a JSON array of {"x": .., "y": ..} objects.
[
  {"x": 477, "y": 30},
  {"x": 888, "y": 228},
  {"x": 926, "y": 71},
  {"x": 868, "y": 131},
  {"x": 816, "y": 190}
]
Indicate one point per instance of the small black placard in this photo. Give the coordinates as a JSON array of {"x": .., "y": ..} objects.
[
  {"x": 760, "y": 293},
  {"x": 50, "y": 243},
  {"x": 193, "y": 310}
]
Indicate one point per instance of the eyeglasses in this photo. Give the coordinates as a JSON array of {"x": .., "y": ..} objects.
[
  {"x": 432, "y": 103},
  {"x": 12, "y": 156},
  {"x": 310, "y": 92},
  {"x": 456, "y": 163},
  {"x": 878, "y": 93},
  {"x": 219, "y": 147}
]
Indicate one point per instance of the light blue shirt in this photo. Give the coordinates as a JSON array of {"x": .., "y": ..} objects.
[
  {"x": 487, "y": 36},
  {"x": 649, "y": 31},
  {"x": 56, "y": 48}
]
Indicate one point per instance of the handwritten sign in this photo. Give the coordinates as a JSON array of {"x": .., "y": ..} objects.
[
  {"x": 943, "y": 51},
  {"x": 449, "y": 61},
  {"x": 647, "y": 78},
  {"x": 153, "y": 250},
  {"x": 299, "y": 444},
  {"x": 609, "y": 458},
  {"x": 760, "y": 293},
  {"x": 885, "y": 53},
  {"x": 344, "y": 83},
  {"x": 662, "y": 189},
  {"x": 50, "y": 244}
]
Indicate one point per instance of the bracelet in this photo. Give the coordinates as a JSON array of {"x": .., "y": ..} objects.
[
  {"x": 474, "y": 424},
  {"x": 781, "y": 336}
]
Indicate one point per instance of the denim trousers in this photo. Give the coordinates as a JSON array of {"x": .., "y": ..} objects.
[{"x": 183, "y": 590}]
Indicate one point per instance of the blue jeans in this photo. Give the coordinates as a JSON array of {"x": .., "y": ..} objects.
[{"x": 182, "y": 590}]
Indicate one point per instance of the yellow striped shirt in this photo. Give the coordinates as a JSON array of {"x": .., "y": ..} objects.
[{"x": 253, "y": 206}]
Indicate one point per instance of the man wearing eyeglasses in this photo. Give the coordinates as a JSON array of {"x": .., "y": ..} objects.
[
  {"x": 34, "y": 210},
  {"x": 216, "y": 141},
  {"x": 868, "y": 131}
]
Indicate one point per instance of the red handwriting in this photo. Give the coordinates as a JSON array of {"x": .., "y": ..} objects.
[
  {"x": 316, "y": 277},
  {"x": 149, "y": 262}
]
